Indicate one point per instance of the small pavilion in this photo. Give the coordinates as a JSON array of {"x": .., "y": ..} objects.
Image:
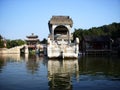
[{"x": 32, "y": 40}]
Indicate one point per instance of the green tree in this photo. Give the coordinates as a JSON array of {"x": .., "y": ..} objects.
[
  {"x": 1, "y": 42},
  {"x": 44, "y": 41},
  {"x": 113, "y": 30},
  {"x": 13, "y": 43},
  {"x": 78, "y": 33}
]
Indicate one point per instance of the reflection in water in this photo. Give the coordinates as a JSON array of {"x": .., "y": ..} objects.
[
  {"x": 32, "y": 63},
  {"x": 26, "y": 57},
  {"x": 30, "y": 73},
  {"x": 61, "y": 72},
  {"x": 100, "y": 67},
  {"x": 2, "y": 63},
  {"x": 15, "y": 57},
  {"x": 4, "y": 58}
]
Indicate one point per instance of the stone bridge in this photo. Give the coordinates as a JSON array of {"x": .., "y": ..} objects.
[{"x": 14, "y": 50}]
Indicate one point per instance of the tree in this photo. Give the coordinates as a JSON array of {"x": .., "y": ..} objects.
[
  {"x": 78, "y": 33},
  {"x": 113, "y": 30},
  {"x": 1, "y": 42},
  {"x": 44, "y": 41},
  {"x": 13, "y": 43}
]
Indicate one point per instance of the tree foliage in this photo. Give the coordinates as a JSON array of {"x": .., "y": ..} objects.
[
  {"x": 1, "y": 42},
  {"x": 13, "y": 43},
  {"x": 113, "y": 30},
  {"x": 10, "y": 43},
  {"x": 44, "y": 41}
]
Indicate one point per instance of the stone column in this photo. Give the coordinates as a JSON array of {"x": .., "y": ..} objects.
[
  {"x": 26, "y": 49},
  {"x": 68, "y": 34},
  {"x": 52, "y": 35},
  {"x": 68, "y": 27},
  {"x": 77, "y": 45},
  {"x": 53, "y": 27}
]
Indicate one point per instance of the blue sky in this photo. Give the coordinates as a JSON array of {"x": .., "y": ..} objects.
[{"x": 19, "y": 18}]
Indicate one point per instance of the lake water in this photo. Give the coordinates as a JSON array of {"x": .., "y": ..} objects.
[{"x": 38, "y": 73}]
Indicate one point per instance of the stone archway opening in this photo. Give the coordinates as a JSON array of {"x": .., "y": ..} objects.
[{"x": 61, "y": 32}]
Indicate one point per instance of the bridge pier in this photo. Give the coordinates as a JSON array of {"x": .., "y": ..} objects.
[{"x": 26, "y": 49}]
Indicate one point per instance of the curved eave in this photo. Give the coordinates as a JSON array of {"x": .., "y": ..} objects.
[
  {"x": 32, "y": 36},
  {"x": 31, "y": 40}
]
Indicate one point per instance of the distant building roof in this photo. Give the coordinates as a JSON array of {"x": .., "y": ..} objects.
[
  {"x": 32, "y": 40},
  {"x": 32, "y": 36}
]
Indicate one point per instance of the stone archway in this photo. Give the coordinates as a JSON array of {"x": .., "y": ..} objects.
[{"x": 61, "y": 32}]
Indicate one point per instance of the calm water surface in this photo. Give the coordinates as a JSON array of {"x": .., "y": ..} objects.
[{"x": 38, "y": 73}]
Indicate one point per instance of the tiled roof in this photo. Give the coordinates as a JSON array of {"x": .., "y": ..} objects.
[{"x": 61, "y": 20}]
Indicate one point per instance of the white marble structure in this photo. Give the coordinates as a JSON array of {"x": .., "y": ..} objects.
[
  {"x": 60, "y": 37},
  {"x": 14, "y": 50}
]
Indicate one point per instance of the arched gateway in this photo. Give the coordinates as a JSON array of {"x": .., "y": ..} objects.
[{"x": 59, "y": 39}]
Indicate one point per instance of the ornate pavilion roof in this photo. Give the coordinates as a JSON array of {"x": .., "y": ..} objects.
[{"x": 32, "y": 36}]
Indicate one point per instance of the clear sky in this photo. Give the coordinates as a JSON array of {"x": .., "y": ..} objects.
[{"x": 19, "y": 18}]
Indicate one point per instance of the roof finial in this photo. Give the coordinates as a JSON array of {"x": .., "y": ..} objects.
[{"x": 32, "y": 34}]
